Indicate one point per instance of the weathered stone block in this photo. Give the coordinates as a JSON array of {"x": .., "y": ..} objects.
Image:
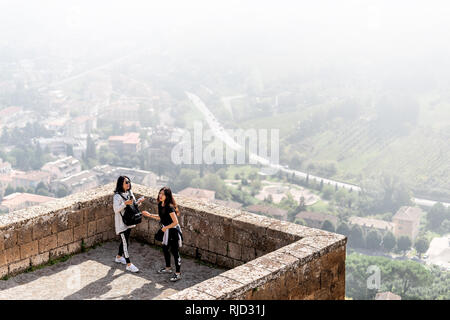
[
  {"x": 89, "y": 215},
  {"x": 109, "y": 221},
  {"x": 187, "y": 237},
  {"x": 24, "y": 235},
  {"x": 40, "y": 259},
  {"x": 61, "y": 223},
  {"x": 74, "y": 247},
  {"x": 218, "y": 287},
  {"x": 108, "y": 235},
  {"x": 237, "y": 263},
  {"x": 17, "y": 267},
  {"x": 3, "y": 271},
  {"x": 65, "y": 237},
  {"x": 58, "y": 252},
  {"x": 225, "y": 262},
  {"x": 207, "y": 256},
  {"x": 217, "y": 246},
  {"x": 2, "y": 242},
  {"x": 48, "y": 243},
  {"x": 201, "y": 241},
  {"x": 142, "y": 227},
  {"x": 90, "y": 241},
  {"x": 248, "y": 253},
  {"x": 92, "y": 228},
  {"x": 76, "y": 218},
  {"x": 188, "y": 250},
  {"x": 234, "y": 251},
  {"x": 102, "y": 225},
  {"x": 248, "y": 274},
  {"x": 80, "y": 232},
  {"x": 190, "y": 294},
  {"x": 9, "y": 239},
  {"x": 29, "y": 249},
  {"x": 2, "y": 258},
  {"x": 12, "y": 254},
  {"x": 41, "y": 230}
]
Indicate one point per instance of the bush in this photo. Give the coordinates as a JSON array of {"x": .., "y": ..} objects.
[
  {"x": 328, "y": 226},
  {"x": 343, "y": 229},
  {"x": 421, "y": 245},
  {"x": 404, "y": 243},
  {"x": 373, "y": 240},
  {"x": 356, "y": 238},
  {"x": 389, "y": 241},
  {"x": 327, "y": 192}
]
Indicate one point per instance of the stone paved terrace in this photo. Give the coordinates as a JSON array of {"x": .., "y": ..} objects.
[
  {"x": 265, "y": 258},
  {"x": 94, "y": 275}
]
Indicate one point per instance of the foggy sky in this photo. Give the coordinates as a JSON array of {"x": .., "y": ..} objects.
[{"x": 407, "y": 36}]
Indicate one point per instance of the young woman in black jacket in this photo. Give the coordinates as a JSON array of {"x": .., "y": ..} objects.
[{"x": 168, "y": 214}]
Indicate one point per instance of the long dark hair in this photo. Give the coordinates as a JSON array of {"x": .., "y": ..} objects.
[
  {"x": 119, "y": 184},
  {"x": 170, "y": 200}
]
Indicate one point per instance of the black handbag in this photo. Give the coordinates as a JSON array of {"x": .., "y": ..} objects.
[
  {"x": 159, "y": 235},
  {"x": 131, "y": 215}
]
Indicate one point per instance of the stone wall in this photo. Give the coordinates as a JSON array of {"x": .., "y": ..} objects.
[
  {"x": 267, "y": 258},
  {"x": 33, "y": 236}
]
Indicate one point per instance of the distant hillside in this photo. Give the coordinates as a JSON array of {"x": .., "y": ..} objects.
[{"x": 348, "y": 142}]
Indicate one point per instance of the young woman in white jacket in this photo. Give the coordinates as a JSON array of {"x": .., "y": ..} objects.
[{"x": 123, "y": 190}]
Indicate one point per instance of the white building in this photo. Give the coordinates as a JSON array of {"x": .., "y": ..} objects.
[{"x": 63, "y": 168}]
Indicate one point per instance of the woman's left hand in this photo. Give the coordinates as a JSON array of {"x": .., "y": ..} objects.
[{"x": 164, "y": 229}]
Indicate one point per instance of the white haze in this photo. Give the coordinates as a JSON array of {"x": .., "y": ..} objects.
[{"x": 408, "y": 38}]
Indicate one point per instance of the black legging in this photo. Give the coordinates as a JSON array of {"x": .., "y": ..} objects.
[
  {"x": 123, "y": 247},
  {"x": 173, "y": 244}
]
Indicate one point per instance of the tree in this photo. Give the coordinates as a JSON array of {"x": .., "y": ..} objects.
[
  {"x": 300, "y": 221},
  {"x": 90, "y": 148},
  {"x": 399, "y": 277},
  {"x": 62, "y": 192},
  {"x": 373, "y": 240},
  {"x": 343, "y": 229},
  {"x": 327, "y": 225},
  {"x": 327, "y": 192},
  {"x": 409, "y": 274},
  {"x": 437, "y": 214},
  {"x": 445, "y": 226},
  {"x": 421, "y": 245},
  {"x": 404, "y": 243},
  {"x": 386, "y": 193},
  {"x": 213, "y": 182},
  {"x": 389, "y": 241},
  {"x": 356, "y": 238},
  {"x": 301, "y": 206},
  {"x": 184, "y": 179},
  {"x": 9, "y": 190}
]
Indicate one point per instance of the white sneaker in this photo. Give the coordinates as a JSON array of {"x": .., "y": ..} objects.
[
  {"x": 132, "y": 268},
  {"x": 121, "y": 260}
]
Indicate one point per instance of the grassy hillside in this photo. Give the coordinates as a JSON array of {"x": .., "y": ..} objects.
[{"x": 419, "y": 153}]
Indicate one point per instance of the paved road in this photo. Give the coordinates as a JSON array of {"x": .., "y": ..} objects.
[{"x": 222, "y": 134}]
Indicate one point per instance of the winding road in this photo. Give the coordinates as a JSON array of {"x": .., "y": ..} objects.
[{"x": 225, "y": 137}]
